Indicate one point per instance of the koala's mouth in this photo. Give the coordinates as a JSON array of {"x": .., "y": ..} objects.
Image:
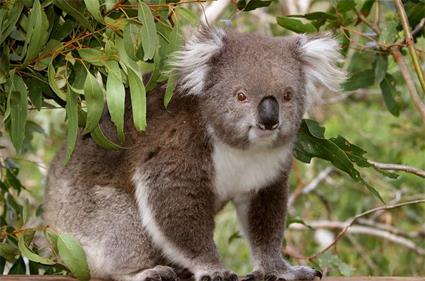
[{"x": 257, "y": 135}]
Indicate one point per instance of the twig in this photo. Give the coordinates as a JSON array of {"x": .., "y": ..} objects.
[
  {"x": 391, "y": 229},
  {"x": 418, "y": 28},
  {"x": 364, "y": 19},
  {"x": 395, "y": 52},
  {"x": 311, "y": 186},
  {"x": 354, "y": 219},
  {"x": 363, "y": 230},
  {"x": 398, "y": 167},
  {"x": 410, "y": 43}
]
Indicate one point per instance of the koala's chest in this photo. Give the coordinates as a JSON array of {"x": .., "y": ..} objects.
[{"x": 237, "y": 172}]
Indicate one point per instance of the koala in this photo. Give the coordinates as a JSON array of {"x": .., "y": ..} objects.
[{"x": 146, "y": 212}]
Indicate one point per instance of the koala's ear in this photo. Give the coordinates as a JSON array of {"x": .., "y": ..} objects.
[
  {"x": 191, "y": 63},
  {"x": 319, "y": 55}
]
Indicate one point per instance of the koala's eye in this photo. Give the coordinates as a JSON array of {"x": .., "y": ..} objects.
[
  {"x": 241, "y": 96},
  {"x": 287, "y": 96}
]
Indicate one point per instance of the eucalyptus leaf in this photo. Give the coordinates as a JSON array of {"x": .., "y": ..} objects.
[
  {"x": 115, "y": 97},
  {"x": 25, "y": 251},
  {"x": 390, "y": 94},
  {"x": 362, "y": 79},
  {"x": 138, "y": 99},
  {"x": 95, "y": 97},
  {"x": 93, "y": 6},
  {"x": 296, "y": 25},
  {"x": 149, "y": 36},
  {"x": 73, "y": 256},
  {"x": 18, "y": 111},
  {"x": 72, "y": 120}
]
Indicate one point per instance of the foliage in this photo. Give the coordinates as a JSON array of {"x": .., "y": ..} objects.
[{"x": 84, "y": 55}]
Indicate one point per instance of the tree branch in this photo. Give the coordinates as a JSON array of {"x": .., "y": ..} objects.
[
  {"x": 311, "y": 186},
  {"x": 410, "y": 43},
  {"x": 398, "y": 167},
  {"x": 354, "y": 219},
  {"x": 364, "y": 230}
]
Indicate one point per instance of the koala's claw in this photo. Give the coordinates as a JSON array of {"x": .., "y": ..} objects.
[
  {"x": 219, "y": 276},
  {"x": 292, "y": 273}
]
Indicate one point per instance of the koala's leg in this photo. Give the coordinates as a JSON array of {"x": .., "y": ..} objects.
[
  {"x": 178, "y": 213},
  {"x": 262, "y": 219}
]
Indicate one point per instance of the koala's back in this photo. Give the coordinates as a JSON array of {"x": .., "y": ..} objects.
[{"x": 92, "y": 196}]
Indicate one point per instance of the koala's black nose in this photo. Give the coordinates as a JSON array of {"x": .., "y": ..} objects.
[{"x": 268, "y": 113}]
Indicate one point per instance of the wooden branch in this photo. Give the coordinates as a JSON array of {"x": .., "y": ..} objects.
[
  {"x": 368, "y": 230},
  {"x": 410, "y": 43},
  {"x": 420, "y": 106},
  {"x": 354, "y": 219},
  {"x": 398, "y": 167},
  {"x": 311, "y": 186}
]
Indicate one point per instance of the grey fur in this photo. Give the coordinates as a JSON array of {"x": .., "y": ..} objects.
[{"x": 152, "y": 205}]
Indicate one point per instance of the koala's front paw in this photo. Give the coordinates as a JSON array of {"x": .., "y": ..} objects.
[
  {"x": 292, "y": 273},
  {"x": 216, "y": 275}
]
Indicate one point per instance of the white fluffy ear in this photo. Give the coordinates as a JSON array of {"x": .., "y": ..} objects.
[
  {"x": 191, "y": 63},
  {"x": 320, "y": 55}
]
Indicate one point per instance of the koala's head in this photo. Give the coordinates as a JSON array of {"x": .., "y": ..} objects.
[{"x": 251, "y": 89}]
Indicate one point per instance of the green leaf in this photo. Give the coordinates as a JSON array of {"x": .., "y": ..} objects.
[
  {"x": 252, "y": 4},
  {"x": 115, "y": 97},
  {"x": 367, "y": 6},
  {"x": 73, "y": 256},
  {"x": 72, "y": 123},
  {"x": 319, "y": 16},
  {"x": 296, "y": 25},
  {"x": 93, "y": 6},
  {"x": 132, "y": 39},
  {"x": 381, "y": 65},
  {"x": 100, "y": 138},
  {"x": 30, "y": 255},
  {"x": 333, "y": 261},
  {"x": 37, "y": 33},
  {"x": 18, "y": 112},
  {"x": 389, "y": 92},
  {"x": 345, "y": 5},
  {"x": 374, "y": 191},
  {"x": 355, "y": 153},
  {"x": 92, "y": 56},
  {"x": 35, "y": 92},
  {"x": 290, "y": 220},
  {"x": 149, "y": 36},
  {"x": 8, "y": 251},
  {"x": 235, "y": 236},
  {"x": 138, "y": 99},
  {"x": 312, "y": 146},
  {"x": 389, "y": 32},
  {"x": 169, "y": 91},
  {"x": 11, "y": 18},
  {"x": 53, "y": 83},
  {"x": 95, "y": 98},
  {"x": 362, "y": 79},
  {"x": 72, "y": 9}
]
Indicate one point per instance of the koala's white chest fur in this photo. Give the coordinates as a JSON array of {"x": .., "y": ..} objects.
[{"x": 240, "y": 171}]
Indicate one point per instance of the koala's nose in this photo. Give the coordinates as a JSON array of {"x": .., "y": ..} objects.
[{"x": 268, "y": 113}]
